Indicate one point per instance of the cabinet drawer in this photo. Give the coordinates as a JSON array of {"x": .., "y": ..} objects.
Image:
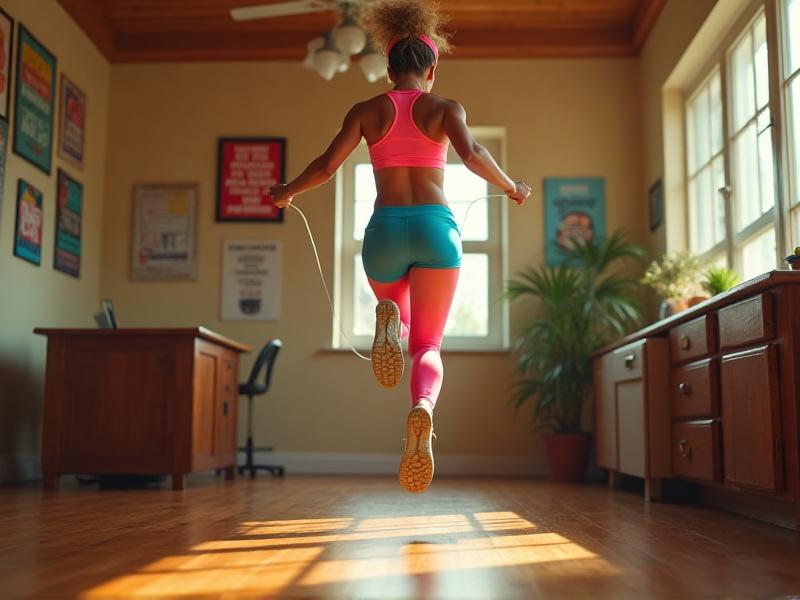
[
  {"x": 691, "y": 340},
  {"x": 746, "y": 322},
  {"x": 694, "y": 390},
  {"x": 695, "y": 450},
  {"x": 628, "y": 362}
]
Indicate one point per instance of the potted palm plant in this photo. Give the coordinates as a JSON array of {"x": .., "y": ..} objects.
[{"x": 580, "y": 306}]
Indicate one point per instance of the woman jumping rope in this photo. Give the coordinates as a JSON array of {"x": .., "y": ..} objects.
[{"x": 412, "y": 246}]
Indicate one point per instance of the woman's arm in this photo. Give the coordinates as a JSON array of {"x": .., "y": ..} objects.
[
  {"x": 477, "y": 158},
  {"x": 322, "y": 168}
]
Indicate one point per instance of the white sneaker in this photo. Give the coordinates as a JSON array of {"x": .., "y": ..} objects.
[
  {"x": 416, "y": 466},
  {"x": 387, "y": 353}
]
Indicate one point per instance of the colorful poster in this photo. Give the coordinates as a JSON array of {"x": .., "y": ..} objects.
[
  {"x": 73, "y": 122},
  {"x": 575, "y": 208},
  {"x": 28, "y": 230},
  {"x": 251, "y": 280},
  {"x": 3, "y": 154},
  {"x": 6, "y": 38},
  {"x": 246, "y": 170},
  {"x": 69, "y": 211},
  {"x": 35, "y": 101},
  {"x": 164, "y": 232}
]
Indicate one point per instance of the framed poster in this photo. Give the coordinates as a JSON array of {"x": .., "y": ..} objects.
[
  {"x": 72, "y": 122},
  {"x": 28, "y": 229},
  {"x": 575, "y": 208},
  {"x": 656, "y": 198},
  {"x": 6, "y": 46},
  {"x": 164, "y": 232},
  {"x": 251, "y": 280},
  {"x": 3, "y": 154},
  {"x": 34, "y": 104},
  {"x": 69, "y": 212},
  {"x": 246, "y": 170}
]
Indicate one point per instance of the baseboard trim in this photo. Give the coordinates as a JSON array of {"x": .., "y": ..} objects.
[
  {"x": 24, "y": 466},
  {"x": 319, "y": 463}
]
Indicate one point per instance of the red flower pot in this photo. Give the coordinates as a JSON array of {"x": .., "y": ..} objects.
[{"x": 568, "y": 454}]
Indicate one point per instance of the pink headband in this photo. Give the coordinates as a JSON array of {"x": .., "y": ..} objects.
[{"x": 428, "y": 42}]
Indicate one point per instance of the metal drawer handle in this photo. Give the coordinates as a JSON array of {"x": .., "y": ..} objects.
[
  {"x": 629, "y": 360},
  {"x": 684, "y": 389},
  {"x": 225, "y": 408},
  {"x": 684, "y": 342},
  {"x": 685, "y": 449}
]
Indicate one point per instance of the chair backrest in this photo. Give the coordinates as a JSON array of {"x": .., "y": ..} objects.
[{"x": 266, "y": 361}]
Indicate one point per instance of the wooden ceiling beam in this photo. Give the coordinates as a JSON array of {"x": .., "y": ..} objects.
[{"x": 89, "y": 17}]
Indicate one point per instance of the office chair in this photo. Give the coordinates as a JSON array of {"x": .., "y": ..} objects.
[{"x": 265, "y": 362}]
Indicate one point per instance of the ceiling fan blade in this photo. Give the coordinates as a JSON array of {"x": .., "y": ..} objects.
[{"x": 281, "y": 9}]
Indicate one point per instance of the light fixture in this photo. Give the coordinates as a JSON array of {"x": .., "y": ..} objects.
[
  {"x": 372, "y": 64},
  {"x": 349, "y": 37},
  {"x": 327, "y": 59},
  {"x": 313, "y": 46}
]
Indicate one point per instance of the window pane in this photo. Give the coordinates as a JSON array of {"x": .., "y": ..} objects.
[
  {"x": 718, "y": 184},
  {"x": 795, "y": 229},
  {"x": 705, "y": 207},
  {"x": 793, "y": 31},
  {"x": 743, "y": 93},
  {"x": 762, "y": 76},
  {"x": 715, "y": 100},
  {"x": 694, "y": 229},
  {"x": 700, "y": 130},
  {"x": 765, "y": 163},
  {"x": 758, "y": 256},
  {"x": 461, "y": 188},
  {"x": 794, "y": 120},
  {"x": 364, "y": 301},
  {"x": 719, "y": 260},
  {"x": 365, "y": 194},
  {"x": 469, "y": 315},
  {"x": 745, "y": 192}
]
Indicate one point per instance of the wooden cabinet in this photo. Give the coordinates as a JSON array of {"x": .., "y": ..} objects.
[
  {"x": 139, "y": 401},
  {"x": 733, "y": 397},
  {"x": 632, "y": 412}
]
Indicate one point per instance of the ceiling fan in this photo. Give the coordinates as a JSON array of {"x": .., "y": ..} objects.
[{"x": 330, "y": 53}]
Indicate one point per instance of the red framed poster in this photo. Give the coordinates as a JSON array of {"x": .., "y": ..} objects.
[{"x": 246, "y": 170}]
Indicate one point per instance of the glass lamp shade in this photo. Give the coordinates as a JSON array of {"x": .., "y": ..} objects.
[
  {"x": 373, "y": 65},
  {"x": 344, "y": 64},
  {"x": 349, "y": 37},
  {"x": 326, "y": 62},
  {"x": 313, "y": 46}
]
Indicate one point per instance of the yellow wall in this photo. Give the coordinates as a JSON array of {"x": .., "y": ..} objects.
[
  {"x": 564, "y": 117},
  {"x": 33, "y": 296}
]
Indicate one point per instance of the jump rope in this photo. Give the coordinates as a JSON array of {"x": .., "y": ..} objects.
[{"x": 322, "y": 276}]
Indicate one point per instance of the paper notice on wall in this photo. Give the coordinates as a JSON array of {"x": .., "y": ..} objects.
[{"x": 251, "y": 280}]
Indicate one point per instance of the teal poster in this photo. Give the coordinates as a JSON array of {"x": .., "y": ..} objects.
[
  {"x": 35, "y": 101},
  {"x": 69, "y": 207},
  {"x": 3, "y": 152},
  {"x": 28, "y": 230},
  {"x": 575, "y": 208}
]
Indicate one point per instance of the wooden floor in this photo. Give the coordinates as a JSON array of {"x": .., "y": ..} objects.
[{"x": 351, "y": 537}]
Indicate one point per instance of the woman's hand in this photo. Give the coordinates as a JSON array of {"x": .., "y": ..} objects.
[
  {"x": 280, "y": 195},
  {"x": 520, "y": 193}
]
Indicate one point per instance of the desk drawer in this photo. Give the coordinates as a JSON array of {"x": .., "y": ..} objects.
[
  {"x": 691, "y": 340},
  {"x": 746, "y": 322},
  {"x": 694, "y": 390},
  {"x": 696, "y": 450},
  {"x": 628, "y": 362}
]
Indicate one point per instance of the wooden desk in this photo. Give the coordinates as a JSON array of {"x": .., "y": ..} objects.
[{"x": 139, "y": 401}]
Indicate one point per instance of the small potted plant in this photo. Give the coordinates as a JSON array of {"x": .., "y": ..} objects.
[
  {"x": 579, "y": 307},
  {"x": 719, "y": 279},
  {"x": 675, "y": 277},
  {"x": 794, "y": 260}
]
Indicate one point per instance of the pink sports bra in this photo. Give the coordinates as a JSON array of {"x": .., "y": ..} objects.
[{"x": 404, "y": 145}]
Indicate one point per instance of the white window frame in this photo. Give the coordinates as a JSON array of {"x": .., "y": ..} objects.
[
  {"x": 776, "y": 217},
  {"x": 792, "y": 179},
  {"x": 346, "y": 249}
]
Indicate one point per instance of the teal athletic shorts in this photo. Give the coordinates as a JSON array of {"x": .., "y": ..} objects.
[{"x": 400, "y": 237}]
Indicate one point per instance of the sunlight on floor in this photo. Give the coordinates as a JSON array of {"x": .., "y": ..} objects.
[{"x": 266, "y": 557}]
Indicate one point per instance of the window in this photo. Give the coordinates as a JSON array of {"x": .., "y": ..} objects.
[
  {"x": 791, "y": 87},
  {"x": 478, "y": 320},
  {"x": 730, "y": 164}
]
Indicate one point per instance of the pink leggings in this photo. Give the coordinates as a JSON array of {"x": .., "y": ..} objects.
[{"x": 427, "y": 295}]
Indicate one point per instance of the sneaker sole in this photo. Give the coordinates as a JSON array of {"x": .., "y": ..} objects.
[
  {"x": 387, "y": 354},
  {"x": 416, "y": 466}
]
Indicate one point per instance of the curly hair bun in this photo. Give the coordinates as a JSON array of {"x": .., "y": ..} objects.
[{"x": 388, "y": 19}]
